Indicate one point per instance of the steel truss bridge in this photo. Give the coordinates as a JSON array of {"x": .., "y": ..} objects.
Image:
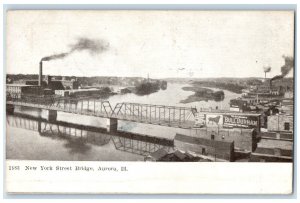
[
  {"x": 172, "y": 116},
  {"x": 78, "y": 136}
]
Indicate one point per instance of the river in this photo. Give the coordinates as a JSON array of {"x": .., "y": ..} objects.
[{"x": 27, "y": 144}]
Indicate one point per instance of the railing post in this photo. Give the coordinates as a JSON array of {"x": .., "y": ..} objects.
[
  {"x": 169, "y": 116},
  {"x": 101, "y": 103},
  {"x": 94, "y": 106},
  {"x": 164, "y": 113},
  {"x": 158, "y": 114},
  {"x": 150, "y": 113},
  {"x": 133, "y": 110},
  {"x": 179, "y": 115},
  {"x": 125, "y": 111},
  {"x": 88, "y": 105}
]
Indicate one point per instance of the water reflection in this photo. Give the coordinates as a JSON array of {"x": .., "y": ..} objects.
[{"x": 80, "y": 139}]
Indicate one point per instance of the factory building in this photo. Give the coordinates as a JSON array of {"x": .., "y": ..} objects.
[
  {"x": 283, "y": 85},
  {"x": 265, "y": 95},
  {"x": 70, "y": 84},
  {"x": 276, "y": 87},
  {"x": 60, "y": 84},
  {"x": 243, "y": 104},
  {"x": 79, "y": 92},
  {"x": 49, "y": 83},
  {"x": 33, "y": 82},
  {"x": 263, "y": 88},
  {"x": 16, "y": 90}
]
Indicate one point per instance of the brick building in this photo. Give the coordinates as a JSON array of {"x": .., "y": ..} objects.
[
  {"x": 244, "y": 139},
  {"x": 209, "y": 147},
  {"x": 280, "y": 122}
]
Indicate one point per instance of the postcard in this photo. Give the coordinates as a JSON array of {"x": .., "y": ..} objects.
[{"x": 149, "y": 102}]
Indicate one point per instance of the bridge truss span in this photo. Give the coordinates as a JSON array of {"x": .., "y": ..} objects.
[
  {"x": 83, "y": 106},
  {"x": 171, "y": 116}
]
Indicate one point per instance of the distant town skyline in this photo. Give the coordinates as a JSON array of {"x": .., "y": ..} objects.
[{"x": 163, "y": 44}]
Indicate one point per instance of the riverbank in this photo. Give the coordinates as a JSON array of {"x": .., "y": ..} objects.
[
  {"x": 202, "y": 94},
  {"x": 232, "y": 87}
]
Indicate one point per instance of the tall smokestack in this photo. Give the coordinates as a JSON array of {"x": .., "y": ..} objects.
[
  {"x": 91, "y": 45},
  {"x": 41, "y": 73}
]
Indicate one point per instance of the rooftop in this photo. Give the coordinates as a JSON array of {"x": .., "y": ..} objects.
[
  {"x": 159, "y": 154},
  {"x": 275, "y": 144},
  {"x": 20, "y": 85},
  {"x": 83, "y": 90}
]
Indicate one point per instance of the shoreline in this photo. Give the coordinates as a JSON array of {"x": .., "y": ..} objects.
[{"x": 202, "y": 94}]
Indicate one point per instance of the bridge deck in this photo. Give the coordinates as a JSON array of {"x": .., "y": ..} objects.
[{"x": 147, "y": 120}]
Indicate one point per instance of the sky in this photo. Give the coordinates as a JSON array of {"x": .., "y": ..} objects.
[{"x": 196, "y": 44}]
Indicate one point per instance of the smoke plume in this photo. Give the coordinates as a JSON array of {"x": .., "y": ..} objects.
[
  {"x": 289, "y": 64},
  {"x": 91, "y": 45},
  {"x": 55, "y": 56},
  {"x": 286, "y": 68}
]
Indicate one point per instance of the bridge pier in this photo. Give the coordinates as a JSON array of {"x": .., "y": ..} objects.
[
  {"x": 39, "y": 127},
  {"x": 10, "y": 108},
  {"x": 112, "y": 124},
  {"x": 50, "y": 115}
]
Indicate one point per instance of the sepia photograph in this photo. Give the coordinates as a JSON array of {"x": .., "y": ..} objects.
[{"x": 149, "y": 86}]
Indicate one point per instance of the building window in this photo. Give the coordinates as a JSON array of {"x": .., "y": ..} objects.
[
  {"x": 286, "y": 126},
  {"x": 203, "y": 151}
]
